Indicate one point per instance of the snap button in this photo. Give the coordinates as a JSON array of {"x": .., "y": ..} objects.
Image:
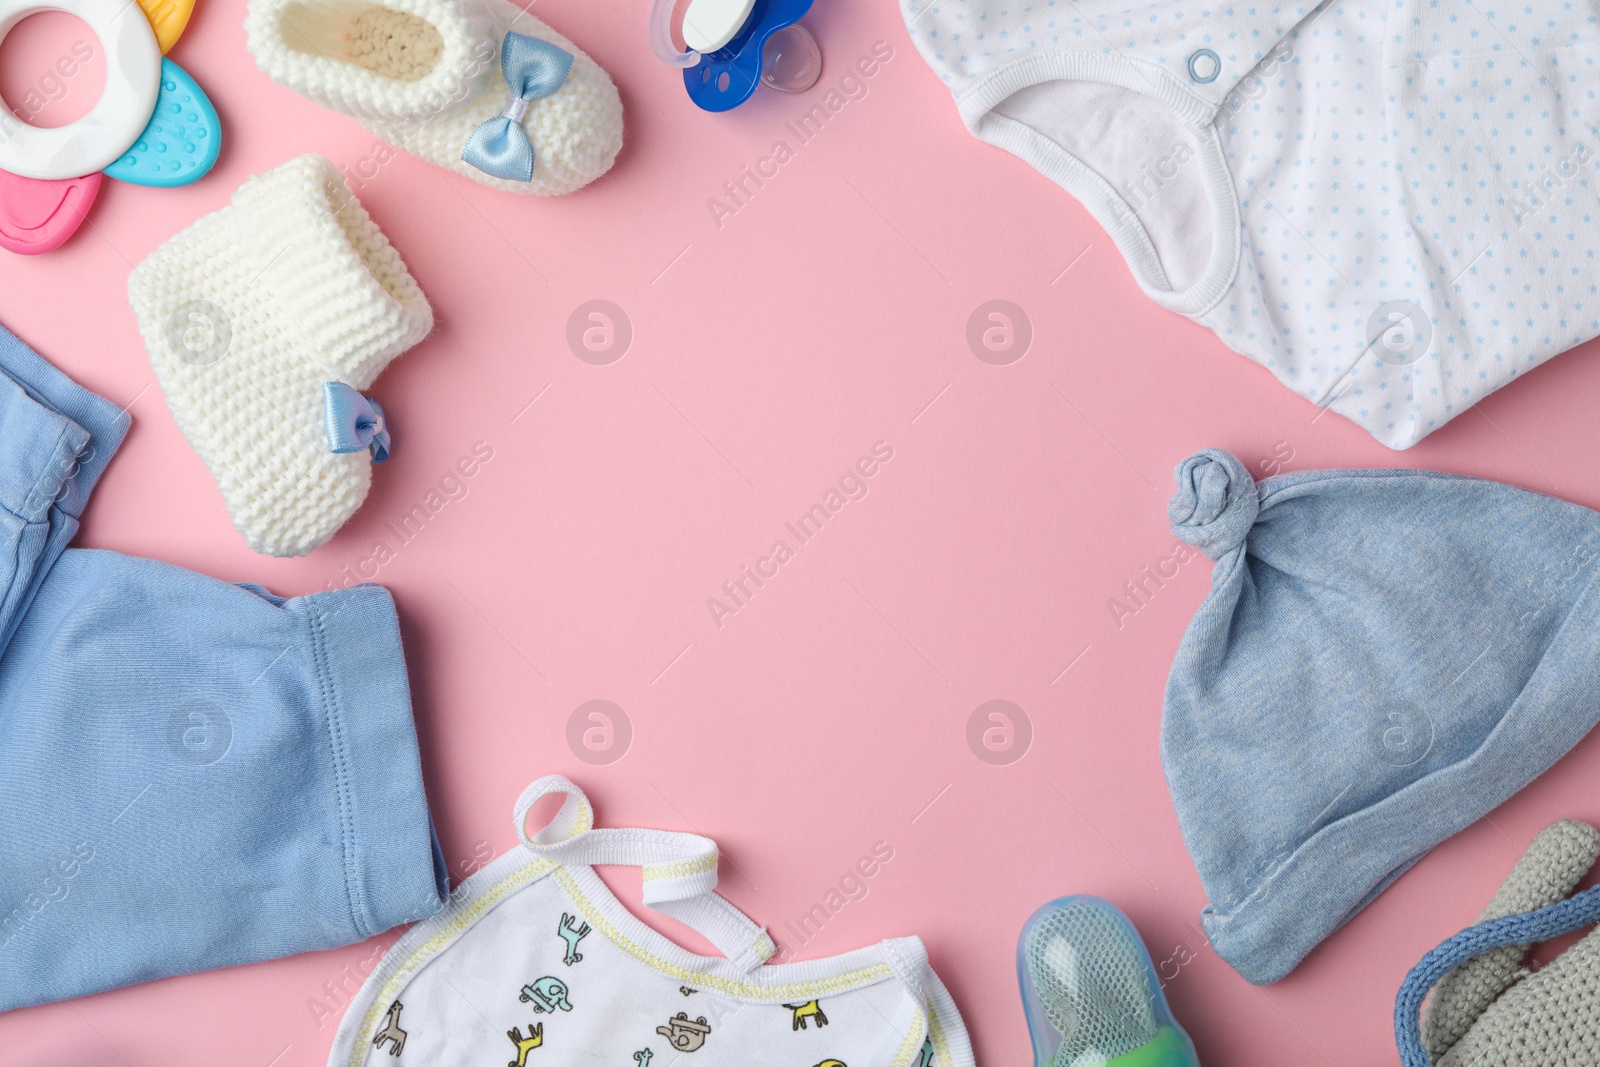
[{"x": 1204, "y": 66}]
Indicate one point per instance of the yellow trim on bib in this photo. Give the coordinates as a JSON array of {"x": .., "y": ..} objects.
[
  {"x": 471, "y": 913},
  {"x": 657, "y": 871},
  {"x": 911, "y": 1046}
]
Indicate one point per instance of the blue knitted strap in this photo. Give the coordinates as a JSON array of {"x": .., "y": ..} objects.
[{"x": 1525, "y": 929}]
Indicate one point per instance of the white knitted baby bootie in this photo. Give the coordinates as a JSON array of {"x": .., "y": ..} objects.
[
  {"x": 266, "y": 321},
  {"x": 429, "y": 75}
]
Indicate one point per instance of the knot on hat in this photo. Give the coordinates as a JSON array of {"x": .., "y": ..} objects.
[{"x": 1216, "y": 502}]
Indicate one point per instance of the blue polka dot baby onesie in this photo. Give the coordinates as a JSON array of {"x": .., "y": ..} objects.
[{"x": 1391, "y": 204}]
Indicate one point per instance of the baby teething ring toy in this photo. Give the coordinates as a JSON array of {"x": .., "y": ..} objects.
[
  {"x": 181, "y": 142},
  {"x": 38, "y": 216},
  {"x": 175, "y": 133},
  {"x": 133, "y": 81},
  {"x": 168, "y": 18}
]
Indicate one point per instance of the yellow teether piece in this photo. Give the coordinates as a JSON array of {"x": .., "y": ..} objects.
[{"x": 168, "y": 18}]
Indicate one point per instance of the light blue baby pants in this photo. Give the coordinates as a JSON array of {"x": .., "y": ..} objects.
[{"x": 192, "y": 774}]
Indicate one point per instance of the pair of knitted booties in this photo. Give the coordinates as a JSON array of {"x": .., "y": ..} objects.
[
  {"x": 268, "y": 320},
  {"x": 479, "y": 87}
]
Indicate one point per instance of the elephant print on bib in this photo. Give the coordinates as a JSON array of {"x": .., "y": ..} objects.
[{"x": 547, "y": 994}]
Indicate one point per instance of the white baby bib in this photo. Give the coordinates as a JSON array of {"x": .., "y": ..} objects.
[{"x": 536, "y": 964}]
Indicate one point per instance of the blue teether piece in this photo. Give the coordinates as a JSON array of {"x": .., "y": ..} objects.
[
  {"x": 724, "y": 79},
  {"x": 180, "y": 143}
]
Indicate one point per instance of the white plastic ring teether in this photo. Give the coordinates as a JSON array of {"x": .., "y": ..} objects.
[{"x": 133, "y": 82}]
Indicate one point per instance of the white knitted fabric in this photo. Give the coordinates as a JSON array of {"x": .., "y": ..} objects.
[
  {"x": 423, "y": 74},
  {"x": 247, "y": 314}
]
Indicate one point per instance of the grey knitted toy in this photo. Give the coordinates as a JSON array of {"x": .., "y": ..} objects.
[{"x": 1493, "y": 1010}]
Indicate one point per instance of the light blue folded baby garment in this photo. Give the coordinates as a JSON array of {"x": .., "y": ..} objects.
[{"x": 193, "y": 774}]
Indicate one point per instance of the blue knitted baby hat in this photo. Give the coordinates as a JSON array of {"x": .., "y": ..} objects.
[{"x": 1384, "y": 657}]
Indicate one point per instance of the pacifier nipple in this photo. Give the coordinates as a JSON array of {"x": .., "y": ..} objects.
[
  {"x": 791, "y": 62},
  {"x": 1215, "y": 504}
]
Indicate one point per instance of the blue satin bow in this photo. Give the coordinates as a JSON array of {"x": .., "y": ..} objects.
[
  {"x": 354, "y": 422},
  {"x": 533, "y": 68}
]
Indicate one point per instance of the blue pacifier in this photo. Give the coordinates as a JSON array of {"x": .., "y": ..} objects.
[
  {"x": 1090, "y": 992},
  {"x": 735, "y": 45}
]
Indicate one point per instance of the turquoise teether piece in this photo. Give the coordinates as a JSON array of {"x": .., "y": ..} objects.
[{"x": 181, "y": 141}]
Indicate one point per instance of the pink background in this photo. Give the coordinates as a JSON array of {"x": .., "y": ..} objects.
[{"x": 769, "y": 353}]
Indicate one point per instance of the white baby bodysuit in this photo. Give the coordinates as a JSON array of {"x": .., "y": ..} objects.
[{"x": 1391, "y": 204}]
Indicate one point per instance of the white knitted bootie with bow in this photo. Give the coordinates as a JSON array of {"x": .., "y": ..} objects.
[
  {"x": 265, "y": 322},
  {"x": 426, "y": 75}
]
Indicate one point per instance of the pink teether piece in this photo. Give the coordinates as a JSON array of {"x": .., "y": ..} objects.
[{"x": 38, "y": 216}]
